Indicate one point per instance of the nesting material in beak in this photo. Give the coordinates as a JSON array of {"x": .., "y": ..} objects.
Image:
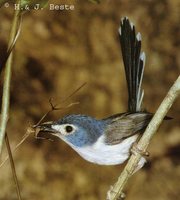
[{"x": 46, "y": 130}]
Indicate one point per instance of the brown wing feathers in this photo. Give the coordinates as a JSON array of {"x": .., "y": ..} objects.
[{"x": 125, "y": 126}]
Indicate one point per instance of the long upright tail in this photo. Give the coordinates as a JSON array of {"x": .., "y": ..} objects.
[{"x": 134, "y": 62}]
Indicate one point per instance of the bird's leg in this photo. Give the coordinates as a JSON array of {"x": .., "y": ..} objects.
[{"x": 136, "y": 150}]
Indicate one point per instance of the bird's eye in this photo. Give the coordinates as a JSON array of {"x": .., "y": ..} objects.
[{"x": 69, "y": 129}]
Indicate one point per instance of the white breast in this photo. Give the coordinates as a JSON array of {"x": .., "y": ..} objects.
[{"x": 104, "y": 154}]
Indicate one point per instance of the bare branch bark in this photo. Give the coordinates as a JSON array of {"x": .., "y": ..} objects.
[{"x": 116, "y": 191}]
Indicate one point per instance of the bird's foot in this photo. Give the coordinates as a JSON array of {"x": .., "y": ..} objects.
[{"x": 136, "y": 150}]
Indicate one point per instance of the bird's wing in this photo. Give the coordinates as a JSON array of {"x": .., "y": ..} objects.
[{"x": 125, "y": 125}]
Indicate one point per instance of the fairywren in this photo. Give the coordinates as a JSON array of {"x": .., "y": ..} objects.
[{"x": 108, "y": 141}]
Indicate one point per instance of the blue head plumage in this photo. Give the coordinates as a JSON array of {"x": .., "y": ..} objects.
[{"x": 79, "y": 130}]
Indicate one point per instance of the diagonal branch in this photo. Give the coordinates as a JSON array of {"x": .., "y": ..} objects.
[{"x": 116, "y": 191}]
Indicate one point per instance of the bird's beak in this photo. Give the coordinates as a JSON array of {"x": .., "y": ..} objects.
[
  {"x": 47, "y": 127},
  {"x": 46, "y": 131}
]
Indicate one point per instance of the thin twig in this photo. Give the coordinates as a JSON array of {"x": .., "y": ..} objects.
[
  {"x": 55, "y": 107},
  {"x": 117, "y": 190},
  {"x": 26, "y": 135},
  {"x": 74, "y": 92},
  {"x": 7, "y": 79},
  {"x": 13, "y": 167},
  {"x": 15, "y": 30}
]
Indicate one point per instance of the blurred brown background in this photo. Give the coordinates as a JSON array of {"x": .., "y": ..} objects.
[{"x": 57, "y": 52}]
